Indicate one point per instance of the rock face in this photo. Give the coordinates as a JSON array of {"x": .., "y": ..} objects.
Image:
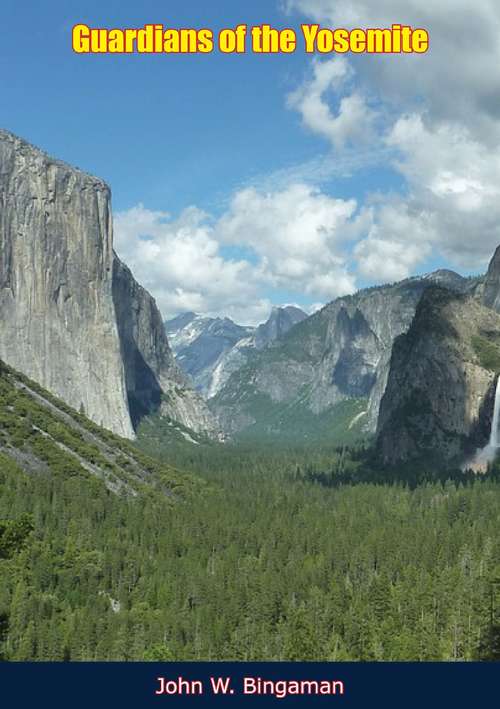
[
  {"x": 279, "y": 323},
  {"x": 438, "y": 403},
  {"x": 490, "y": 294},
  {"x": 209, "y": 350},
  {"x": 154, "y": 381},
  {"x": 57, "y": 318},
  {"x": 339, "y": 353},
  {"x": 72, "y": 317}
]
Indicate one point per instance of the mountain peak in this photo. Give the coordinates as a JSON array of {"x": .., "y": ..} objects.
[
  {"x": 281, "y": 319},
  {"x": 180, "y": 321}
]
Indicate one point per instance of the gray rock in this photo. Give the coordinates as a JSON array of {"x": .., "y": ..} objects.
[
  {"x": 202, "y": 345},
  {"x": 72, "y": 317},
  {"x": 438, "y": 403},
  {"x": 57, "y": 318},
  {"x": 278, "y": 324},
  {"x": 154, "y": 381},
  {"x": 490, "y": 294}
]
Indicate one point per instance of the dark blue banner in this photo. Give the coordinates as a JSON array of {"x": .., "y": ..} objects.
[{"x": 388, "y": 685}]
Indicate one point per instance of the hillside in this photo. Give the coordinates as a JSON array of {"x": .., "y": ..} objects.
[{"x": 40, "y": 435}]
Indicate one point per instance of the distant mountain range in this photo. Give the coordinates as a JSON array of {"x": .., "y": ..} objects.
[
  {"x": 381, "y": 362},
  {"x": 209, "y": 350},
  {"x": 326, "y": 376}
]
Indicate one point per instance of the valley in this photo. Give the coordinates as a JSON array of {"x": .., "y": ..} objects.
[
  {"x": 204, "y": 490},
  {"x": 263, "y": 554}
]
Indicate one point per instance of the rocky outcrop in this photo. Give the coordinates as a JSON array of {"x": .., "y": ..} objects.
[
  {"x": 438, "y": 403},
  {"x": 153, "y": 379},
  {"x": 72, "y": 317},
  {"x": 278, "y": 324},
  {"x": 57, "y": 318},
  {"x": 490, "y": 293},
  {"x": 339, "y": 353}
]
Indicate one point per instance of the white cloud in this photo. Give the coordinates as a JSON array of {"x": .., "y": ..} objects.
[
  {"x": 296, "y": 237},
  {"x": 455, "y": 178},
  {"x": 446, "y": 158},
  {"x": 178, "y": 261},
  {"x": 452, "y": 206},
  {"x": 353, "y": 120},
  {"x": 435, "y": 118},
  {"x": 456, "y": 79},
  {"x": 438, "y": 117},
  {"x": 397, "y": 241},
  {"x": 322, "y": 168}
]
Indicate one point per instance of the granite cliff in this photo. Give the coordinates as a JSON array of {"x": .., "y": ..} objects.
[
  {"x": 490, "y": 291},
  {"x": 57, "y": 319},
  {"x": 279, "y": 322},
  {"x": 72, "y": 317},
  {"x": 154, "y": 381},
  {"x": 438, "y": 404}
]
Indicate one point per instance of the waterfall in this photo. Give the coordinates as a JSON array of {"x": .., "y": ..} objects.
[
  {"x": 487, "y": 455},
  {"x": 494, "y": 443}
]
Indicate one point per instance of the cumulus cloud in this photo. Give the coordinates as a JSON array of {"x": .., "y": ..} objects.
[
  {"x": 452, "y": 206},
  {"x": 353, "y": 120},
  {"x": 456, "y": 178},
  {"x": 298, "y": 235},
  {"x": 434, "y": 118},
  {"x": 456, "y": 79},
  {"x": 293, "y": 241},
  {"x": 179, "y": 262},
  {"x": 440, "y": 121},
  {"x": 397, "y": 241}
]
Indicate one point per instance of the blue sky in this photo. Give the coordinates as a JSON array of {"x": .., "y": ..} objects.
[
  {"x": 241, "y": 181},
  {"x": 173, "y": 129}
]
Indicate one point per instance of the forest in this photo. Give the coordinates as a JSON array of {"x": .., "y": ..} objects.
[{"x": 282, "y": 554}]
